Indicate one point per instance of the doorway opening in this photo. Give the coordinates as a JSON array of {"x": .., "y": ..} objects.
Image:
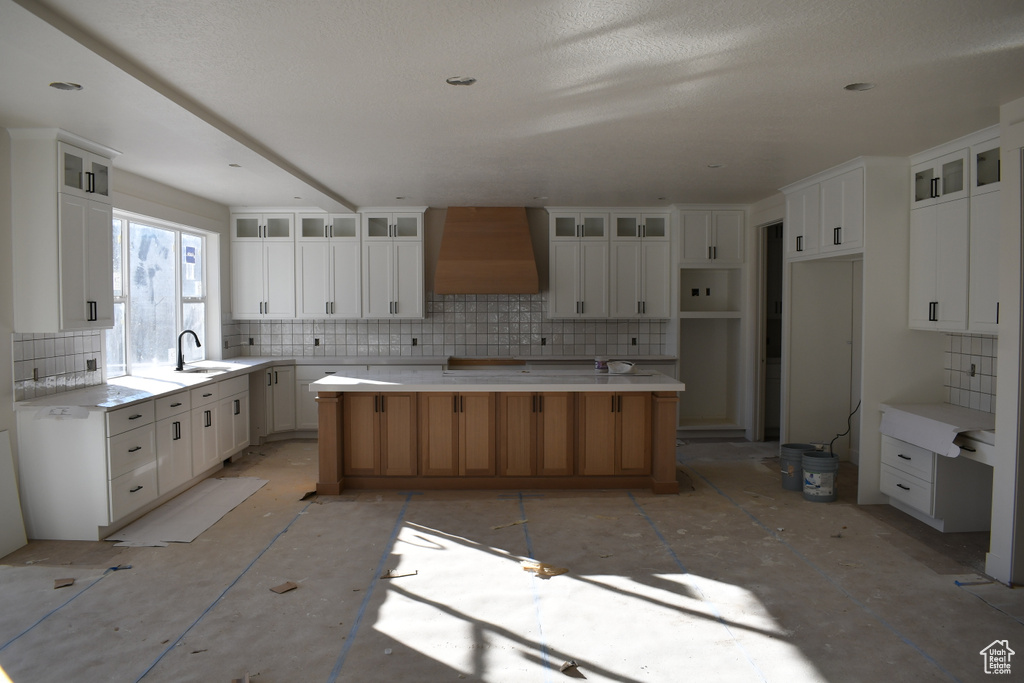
[{"x": 771, "y": 325}]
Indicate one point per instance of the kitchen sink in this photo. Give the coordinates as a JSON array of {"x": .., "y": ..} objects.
[{"x": 208, "y": 370}]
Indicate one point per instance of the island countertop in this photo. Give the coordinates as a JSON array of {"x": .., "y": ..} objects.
[{"x": 507, "y": 379}]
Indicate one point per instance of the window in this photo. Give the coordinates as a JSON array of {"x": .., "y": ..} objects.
[{"x": 159, "y": 290}]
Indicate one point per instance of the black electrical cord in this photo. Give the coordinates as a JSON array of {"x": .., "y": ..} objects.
[{"x": 849, "y": 426}]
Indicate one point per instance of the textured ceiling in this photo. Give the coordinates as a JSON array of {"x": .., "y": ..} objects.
[{"x": 582, "y": 102}]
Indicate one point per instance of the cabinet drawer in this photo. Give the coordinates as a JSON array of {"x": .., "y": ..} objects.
[
  {"x": 123, "y": 419},
  {"x": 130, "y": 449},
  {"x": 175, "y": 404},
  {"x": 235, "y": 385},
  {"x": 132, "y": 490},
  {"x": 203, "y": 394},
  {"x": 908, "y": 458},
  {"x": 907, "y": 489}
]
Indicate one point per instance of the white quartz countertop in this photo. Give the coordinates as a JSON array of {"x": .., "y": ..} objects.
[
  {"x": 934, "y": 426},
  {"x": 514, "y": 378}
]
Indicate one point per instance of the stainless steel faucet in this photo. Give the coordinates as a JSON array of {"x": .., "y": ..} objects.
[{"x": 181, "y": 356}]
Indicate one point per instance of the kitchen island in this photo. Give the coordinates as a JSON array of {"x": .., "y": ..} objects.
[{"x": 497, "y": 428}]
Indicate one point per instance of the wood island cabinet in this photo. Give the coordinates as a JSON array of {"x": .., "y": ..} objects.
[
  {"x": 615, "y": 433},
  {"x": 457, "y": 434},
  {"x": 379, "y": 434},
  {"x": 536, "y": 434}
]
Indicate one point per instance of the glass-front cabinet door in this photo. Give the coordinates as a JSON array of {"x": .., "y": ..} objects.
[
  {"x": 644, "y": 225},
  {"x": 941, "y": 180},
  {"x": 573, "y": 225},
  {"x": 83, "y": 173},
  {"x": 262, "y": 226}
]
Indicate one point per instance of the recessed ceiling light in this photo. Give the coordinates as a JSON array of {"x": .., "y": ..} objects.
[
  {"x": 460, "y": 80},
  {"x": 65, "y": 85},
  {"x": 858, "y": 87},
  {"x": 235, "y": 165}
]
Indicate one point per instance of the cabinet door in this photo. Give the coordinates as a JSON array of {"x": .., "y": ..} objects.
[
  {"x": 204, "y": 438},
  {"x": 983, "y": 307},
  {"x": 284, "y": 398},
  {"x": 803, "y": 222},
  {"x": 952, "y": 235},
  {"x": 246, "y": 226},
  {"x": 173, "y": 452},
  {"x": 361, "y": 434},
  {"x": 311, "y": 226},
  {"x": 312, "y": 285},
  {"x": 842, "y": 212},
  {"x": 564, "y": 278},
  {"x": 597, "y": 433},
  {"x": 634, "y": 426},
  {"x": 225, "y": 428},
  {"x": 627, "y": 283},
  {"x": 346, "y": 280},
  {"x": 83, "y": 173},
  {"x": 517, "y": 434},
  {"x": 377, "y": 279},
  {"x": 398, "y": 434},
  {"x": 922, "y": 268},
  {"x": 246, "y": 280},
  {"x": 306, "y": 413},
  {"x": 99, "y": 265},
  {"x": 626, "y": 226},
  {"x": 655, "y": 226},
  {"x": 727, "y": 246},
  {"x": 74, "y": 236},
  {"x": 439, "y": 434},
  {"x": 696, "y": 236},
  {"x": 240, "y": 420},
  {"x": 657, "y": 280},
  {"x": 279, "y": 275},
  {"x": 594, "y": 279},
  {"x": 476, "y": 434},
  {"x": 408, "y": 274},
  {"x": 555, "y": 433}
]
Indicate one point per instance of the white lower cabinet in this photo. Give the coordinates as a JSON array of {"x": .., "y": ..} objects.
[
  {"x": 205, "y": 453},
  {"x": 173, "y": 441},
  {"x": 949, "y": 494},
  {"x": 278, "y": 400}
]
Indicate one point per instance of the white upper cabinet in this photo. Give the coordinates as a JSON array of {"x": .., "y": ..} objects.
[
  {"x": 941, "y": 179},
  {"x": 576, "y": 225},
  {"x": 987, "y": 169},
  {"x": 328, "y": 280},
  {"x": 392, "y": 264},
  {"x": 711, "y": 237},
  {"x": 983, "y": 286},
  {"x": 842, "y": 213},
  {"x": 579, "y": 264},
  {"x": 263, "y": 266},
  {"x": 61, "y": 231},
  {"x": 802, "y": 226},
  {"x": 262, "y": 226},
  {"x": 640, "y": 265},
  {"x": 83, "y": 173},
  {"x": 939, "y": 243},
  {"x": 648, "y": 226}
]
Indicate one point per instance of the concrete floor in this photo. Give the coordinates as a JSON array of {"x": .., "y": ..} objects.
[{"x": 732, "y": 580}]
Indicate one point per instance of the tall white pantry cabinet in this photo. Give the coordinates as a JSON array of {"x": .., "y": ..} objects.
[{"x": 62, "y": 232}]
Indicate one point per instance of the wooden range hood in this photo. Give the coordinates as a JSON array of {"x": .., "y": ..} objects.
[{"x": 486, "y": 250}]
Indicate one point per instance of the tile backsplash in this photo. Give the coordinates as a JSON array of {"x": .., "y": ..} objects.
[
  {"x": 971, "y": 371},
  {"x": 490, "y": 325},
  {"x": 51, "y": 363}
]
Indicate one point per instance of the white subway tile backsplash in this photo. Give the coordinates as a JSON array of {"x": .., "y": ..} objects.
[{"x": 971, "y": 362}]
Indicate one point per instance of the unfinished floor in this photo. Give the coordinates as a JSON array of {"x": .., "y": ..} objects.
[{"x": 734, "y": 579}]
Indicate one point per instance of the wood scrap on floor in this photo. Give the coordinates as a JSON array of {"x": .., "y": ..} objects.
[
  {"x": 543, "y": 570},
  {"x": 285, "y": 587}
]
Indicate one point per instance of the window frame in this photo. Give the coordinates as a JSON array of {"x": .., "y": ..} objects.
[{"x": 127, "y": 218}]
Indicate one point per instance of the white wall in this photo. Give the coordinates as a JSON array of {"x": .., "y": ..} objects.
[{"x": 1005, "y": 560}]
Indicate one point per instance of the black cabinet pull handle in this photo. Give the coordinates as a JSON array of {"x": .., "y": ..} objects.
[
  {"x": 969, "y": 449},
  {"x": 207, "y": 395},
  {"x": 175, "y": 405},
  {"x": 238, "y": 407},
  {"x": 137, "y": 448},
  {"x": 905, "y": 488},
  {"x": 134, "y": 417},
  {"x": 209, "y": 418},
  {"x": 837, "y": 236},
  {"x": 905, "y": 457},
  {"x": 714, "y": 252},
  {"x": 176, "y": 434},
  {"x": 799, "y": 242},
  {"x": 137, "y": 488},
  {"x": 709, "y": 253}
]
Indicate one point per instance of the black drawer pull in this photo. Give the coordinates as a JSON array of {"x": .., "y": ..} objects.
[
  {"x": 207, "y": 395},
  {"x": 134, "y": 417},
  {"x": 969, "y": 449},
  {"x": 175, "y": 405},
  {"x": 905, "y": 457},
  {"x": 137, "y": 488},
  {"x": 905, "y": 488},
  {"x": 137, "y": 448}
]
